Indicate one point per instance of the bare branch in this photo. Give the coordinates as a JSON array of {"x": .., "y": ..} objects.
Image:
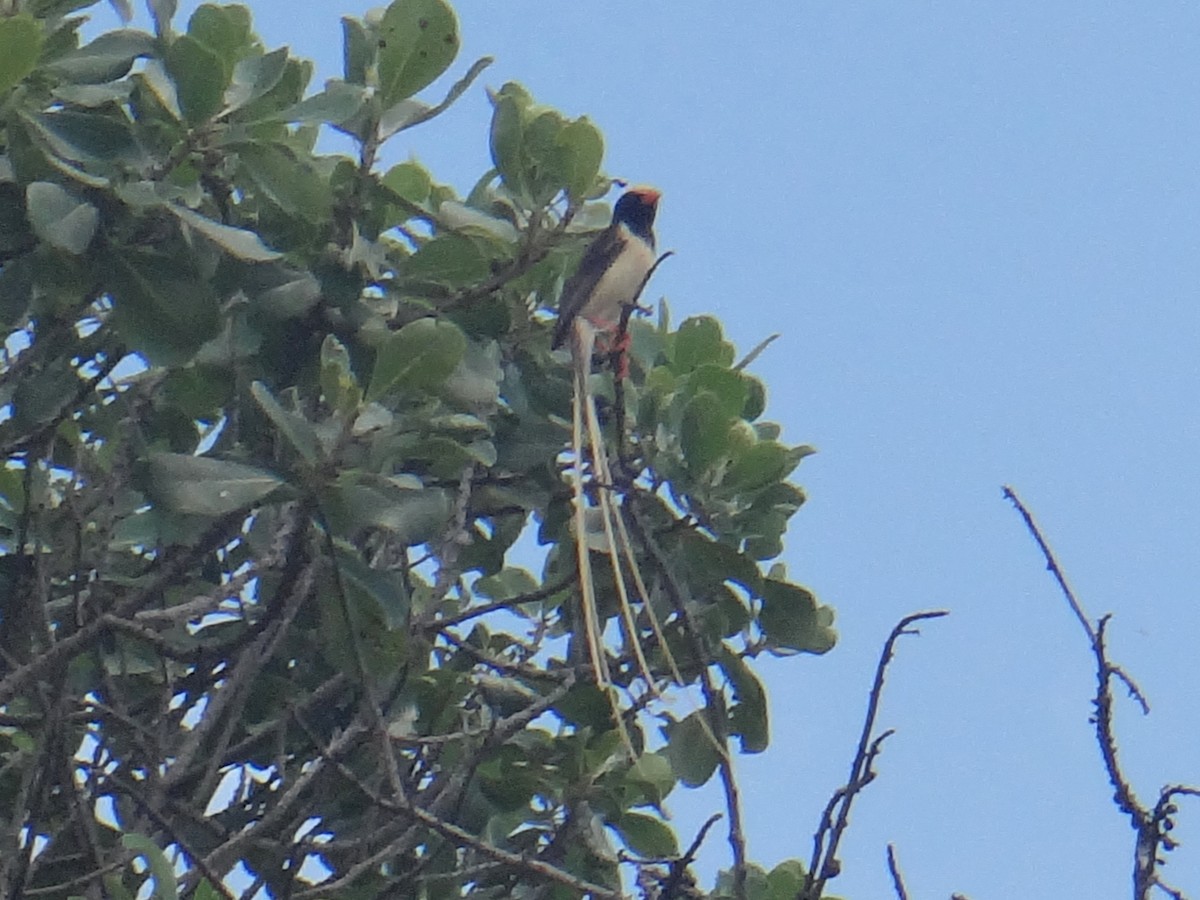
[
  {"x": 897, "y": 878},
  {"x": 1152, "y": 827},
  {"x": 1051, "y": 563},
  {"x": 824, "y": 864}
]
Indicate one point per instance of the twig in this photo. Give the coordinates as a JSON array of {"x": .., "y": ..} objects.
[
  {"x": 824, "y": 864},
  {"x": 1052, "y": 563},
  {"x": 532, "y": 253},
  {"x": 1152, "y": 826},
  {"x": 897, "y": 878},
  {"x": 546, "y": 590},
  {"x": 679, "y": 867}
]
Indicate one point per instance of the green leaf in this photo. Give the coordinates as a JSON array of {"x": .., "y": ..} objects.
[
  {"x": 755, "y": 885},
  {"x": 163, "y": 11},
  {"x": 758, "y": 466},
  {"x": 384, "y": 588},
  {"x": 475, "y": 382},
  {"x": 647, "y": 836},
  {"x": 421, "y": 355},
  {"x": 20, "y": 46},
  {"x": 698, "y": 341},
  {"x": 786, "y": 880},
  {"x": 339, "y": 384},
  {"x": 200, "y": 485},
  {"x": 298, "y": 431},
  {"x": 691, "y": 750},
  {"x": 254, "y": 77},
  {"x": 115, "y": 889},
  {"x": 161, "y": 88},
  {"x": 109, "y": 57},
  {"x": 704, "y": 431},
  {"x": 510, "y": 106},
  {"x": 450, "y": 259},
  {"x": 16, "y": 288},
  {"x": 338, "y": 103},
  {"x": 712, "y": 563},
  {"x": 286, "y": 92},
  {"x": 756, "y": 398},
  {"x": 583, "y": 147},
  {"x": 161, "y": 308},
  {"x": 87, "y": 137},
  {"x": 544, "y": 157},
  {"x": 409, "y": 180},
  {"x": 94, "y": 95},
  {"x": 290, "y": 183},
  {"x": 357, "y": 52},
  {"x": 791, "y": 620},
  {"x": 507, "y": 584},
  {"x": 123, "y": 9},
  {"x": 585, "y": 706},
  {"x": 651, "y": 773},
  {"x": 748, "y": 717},
  {"x": 411, "y": 516},
  {"x": 160, "y": 867},
  {"x": 418, "y": 41},
  {"x": 225, "y": 30},
  {"x": 292, "y": 295},
  {"x": 200, "y": 77},
  {"x": 59, "y": 219},
  {"x": 199, "y": 392},
  {"x": 730, "y": 387},
  {"x": 368, "y": 600},
  {"x": 43, "y": 397},
  {"x": 237, "y": 242}
]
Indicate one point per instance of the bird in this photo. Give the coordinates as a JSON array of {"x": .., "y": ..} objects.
[
  {"x": 613, "y": 268},
  {"x": 610, "y": 277}
]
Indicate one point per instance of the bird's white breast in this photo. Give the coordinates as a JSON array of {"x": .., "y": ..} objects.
[{"x": 620, "y": 282}]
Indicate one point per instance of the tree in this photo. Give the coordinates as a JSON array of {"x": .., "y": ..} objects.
[{"x": 274, "y": 420}]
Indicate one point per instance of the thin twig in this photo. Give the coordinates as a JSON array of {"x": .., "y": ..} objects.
[
  {"x": 1052, "y": 563},
  {"x": 482, "y": 609},
  {"x": 824, "y": 864},
  {"x": 533, "y": 252},
  {"x": 897, "y": 878},
  {"x": 679, "y": 867}
]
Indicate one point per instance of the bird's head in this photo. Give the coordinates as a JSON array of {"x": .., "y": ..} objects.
[{"x": 635, "y": 209}]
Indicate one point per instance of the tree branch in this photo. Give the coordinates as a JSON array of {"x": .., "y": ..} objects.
[
  {"x": 1152, "y": 827},
  {"x": 824, "y": 864}
]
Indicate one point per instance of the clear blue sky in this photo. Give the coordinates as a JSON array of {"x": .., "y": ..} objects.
[{"x": 977, "y": 227}]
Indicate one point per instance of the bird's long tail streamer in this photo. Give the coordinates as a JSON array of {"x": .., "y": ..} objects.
[{"x": 583, "y": 342}]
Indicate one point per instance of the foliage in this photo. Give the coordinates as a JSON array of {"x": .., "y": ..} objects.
[{"x": 273, "y": 421}]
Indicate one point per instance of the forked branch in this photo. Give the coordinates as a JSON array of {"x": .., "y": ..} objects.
[
  {"x": 1153, "y": 826},
  {"x": 824, "y": 864}
]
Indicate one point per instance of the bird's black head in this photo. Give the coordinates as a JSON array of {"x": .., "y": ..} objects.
[{"x": 635, "y": 210}]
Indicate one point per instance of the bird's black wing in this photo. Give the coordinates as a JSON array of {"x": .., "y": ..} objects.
[{"x": 579, "y": 287}]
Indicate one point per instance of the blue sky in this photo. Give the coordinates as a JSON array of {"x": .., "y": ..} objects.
[{"x": 976, "y": 227}]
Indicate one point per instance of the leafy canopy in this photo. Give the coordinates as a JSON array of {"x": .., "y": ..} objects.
[{"x": 272, "y": 422}]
